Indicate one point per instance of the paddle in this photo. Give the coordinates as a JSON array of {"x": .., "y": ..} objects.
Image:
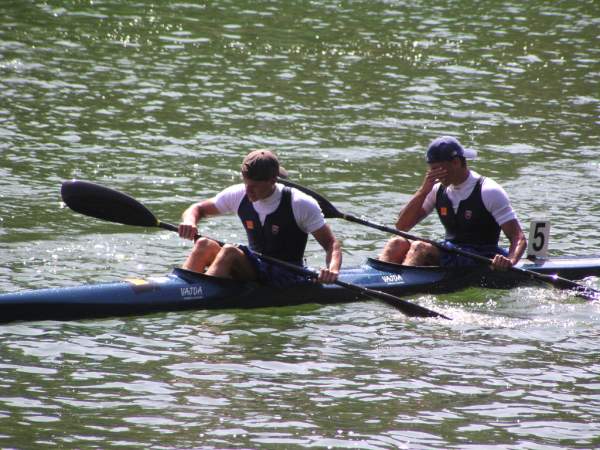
[
  {"x": 104, "y": 203},
  {"x": 331, "y": 211}
]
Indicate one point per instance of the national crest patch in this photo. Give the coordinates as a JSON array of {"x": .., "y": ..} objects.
[{"x": 249, "y": 225}]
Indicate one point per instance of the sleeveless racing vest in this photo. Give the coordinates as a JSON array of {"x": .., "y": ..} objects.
[
  {"x": 280, "y": 236},
  {"x": 472, "y": 223}
]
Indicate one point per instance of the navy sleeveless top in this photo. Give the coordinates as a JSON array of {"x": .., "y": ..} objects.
[
  {"x": 472, "y": 224},
  {"x": 280, "y": 236}
]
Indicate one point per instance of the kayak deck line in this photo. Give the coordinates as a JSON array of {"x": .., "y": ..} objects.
[{"x": 186, "y": 290}]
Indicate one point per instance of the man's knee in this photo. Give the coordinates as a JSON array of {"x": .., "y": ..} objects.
[
  {"x": 422, "y": 254},
  {"x": 420, "y": 247},
  {"x": 203, "y": 254},
  {"x": 229, "y": 253},
  {"x": 395, "y": 250},
  {"x": 231, "y": 262},
  {"x": 229, "y": 249},
  {"x": 204, "y": 244},
  {"x": 398, "y": 244}
]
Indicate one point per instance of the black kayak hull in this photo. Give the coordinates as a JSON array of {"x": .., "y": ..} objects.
[{"x": 184, "y": 290}]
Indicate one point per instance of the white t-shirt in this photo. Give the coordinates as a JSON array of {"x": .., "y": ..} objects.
[
  {"x": 306, "y": 210},
  {"x": 493, "y": 196}
]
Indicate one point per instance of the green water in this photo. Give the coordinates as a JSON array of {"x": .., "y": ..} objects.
[{"x": 163, "y": 99}]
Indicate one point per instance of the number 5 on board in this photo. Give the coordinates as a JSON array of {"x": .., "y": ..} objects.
[{"x": 539, "y": 234}]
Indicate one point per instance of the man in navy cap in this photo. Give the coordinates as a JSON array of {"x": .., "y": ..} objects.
[
  {"x": 473, "y": 210},
  {"x": 277, "y": 221}
]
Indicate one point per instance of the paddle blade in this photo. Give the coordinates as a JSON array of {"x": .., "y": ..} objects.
[
  {"x": 104, "y": 203},
  {"x": 329, "y": 211}
]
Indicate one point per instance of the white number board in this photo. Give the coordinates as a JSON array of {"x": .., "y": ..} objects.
[{"x": 539, "y": 234}]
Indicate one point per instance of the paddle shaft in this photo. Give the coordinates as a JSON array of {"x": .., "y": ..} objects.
[{"x": 408, "y": 308}]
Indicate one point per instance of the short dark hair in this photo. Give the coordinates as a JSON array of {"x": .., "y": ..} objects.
[{"x": 262, "y": 165}]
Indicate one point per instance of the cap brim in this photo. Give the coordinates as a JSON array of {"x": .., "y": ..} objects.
[
  {"x": 283, "y": 173},
  {"x": 469, "y": 153}
]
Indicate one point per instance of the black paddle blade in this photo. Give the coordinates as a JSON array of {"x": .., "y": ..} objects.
[
  {"x": 329, "y": 211},
  {"x": 104, "y": 203}
]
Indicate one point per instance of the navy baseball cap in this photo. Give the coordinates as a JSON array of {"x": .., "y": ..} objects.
[
  {"x": 262, "y": 165},
  {"x": 446, "y": 148}
]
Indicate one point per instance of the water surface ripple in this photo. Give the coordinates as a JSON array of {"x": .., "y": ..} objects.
[{"x": 162, "y": 100}]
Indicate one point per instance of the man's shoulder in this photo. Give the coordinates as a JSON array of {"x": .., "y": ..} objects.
[
  {"x": 307, "y": 211},
  {"x": 229, "y": 199},
  {"x": 493, "y": 193},
  {"x": 235, "y": 188},
  {"x": 302, "y": 199},
  {"x": 489, "y": 184}
]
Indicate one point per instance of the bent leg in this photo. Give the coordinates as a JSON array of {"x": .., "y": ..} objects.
[
  {"x": 231, "y": 262},
  {"x": 202, "y": 255},
  {"x": 395, "y": 250},
  {"x": 422, "y": 254}
]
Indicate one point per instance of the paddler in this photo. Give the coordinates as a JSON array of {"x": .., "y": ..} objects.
[
  {"x": 473, "y": 210},
  {"x": 277, "y": 221}
]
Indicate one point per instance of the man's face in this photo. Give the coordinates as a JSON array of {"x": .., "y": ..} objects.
[
  {"x": 445, "y": 171},
  {"x": 259, "y": 190}
]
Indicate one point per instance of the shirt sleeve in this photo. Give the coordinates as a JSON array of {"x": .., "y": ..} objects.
[
  {"x": 228, "y": 200},
  {"x": 497, "y": 202},
  {"x": 307, "y": 212}
]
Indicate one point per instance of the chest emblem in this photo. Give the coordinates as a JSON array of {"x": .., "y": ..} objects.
[
  {"x": 468, "y": 214},
  {"x": 249, "y": 225},
  {"x": 275, "y": 229},
  {"x": 443, "y": 211}
]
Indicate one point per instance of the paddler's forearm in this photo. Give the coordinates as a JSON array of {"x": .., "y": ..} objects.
[
  {"x": 192, "y": 215},
  {"x": 516, "y": 249},
  {"x": 196, "y": 212},
  {"x": 333, "y": 256},
  {"x": 188, "y": 228},
  {"x": 412, "y": 212},
  {"x": 518, "y": 242}
]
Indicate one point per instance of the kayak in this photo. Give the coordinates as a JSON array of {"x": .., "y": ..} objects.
[{"x": 185, "y": 290}]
